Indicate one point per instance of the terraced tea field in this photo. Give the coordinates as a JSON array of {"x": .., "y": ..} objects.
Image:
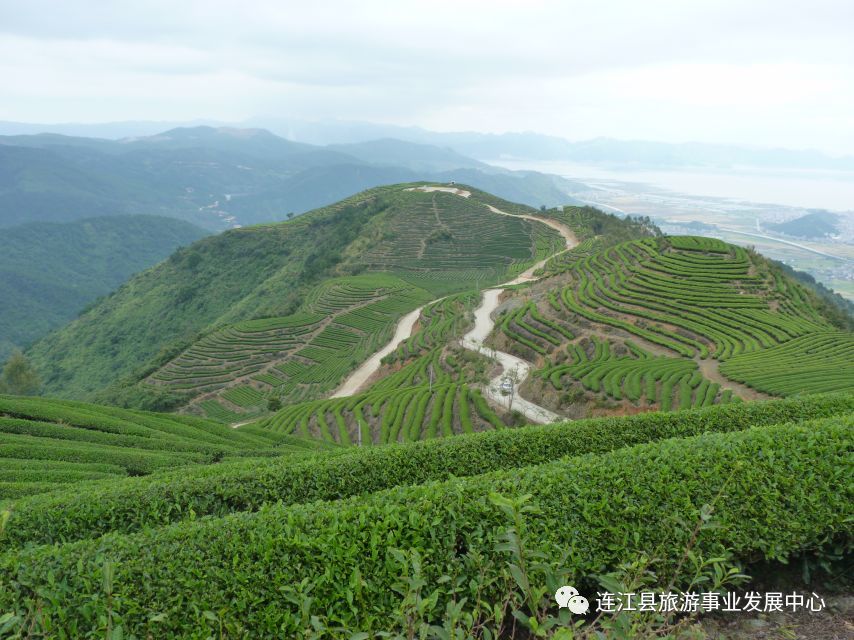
[
  {"x": 236, "y": 370},
  {"x": 440, "y": 322},
  {"x": 404, "y": 414},
  {"x": 643, "y": 323},
  {"x": 636, "y": 375},
  {"x": 48, "y": 444},
  {"x": 692, "y": 302},
  {"x": 237, "y": 351},
  {"x": 421, "y": 394},
  {"x": 440, "y": 231},
  {"x": 633, "y": 321},
  {"x": 809, "y": 364}
]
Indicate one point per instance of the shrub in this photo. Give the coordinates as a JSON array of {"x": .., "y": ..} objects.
[
  {"x": 129, "y": 505},
  {"x": 266, "y": 573}
]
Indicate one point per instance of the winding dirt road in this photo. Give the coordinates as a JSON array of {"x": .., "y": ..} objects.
[
  {"x": 483, "y": 325},
  {"x": 513, "y": 366},
  {"x": 473, "y": 340},
  {"x": 370, "y": 366}
]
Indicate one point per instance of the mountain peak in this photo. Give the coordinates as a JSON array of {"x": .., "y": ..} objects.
[{"x": 205, "y": 133}]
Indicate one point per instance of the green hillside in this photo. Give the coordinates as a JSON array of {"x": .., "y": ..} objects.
[
  {"x": 409, "y": 507},
  {"x": 428, "y": 390},
  {"x": 671, "y": 322},
  {"x": 391, "y": 514},
  {"x": 259, "y": 301},
  {"x": 429, "y": 386},
  {"x": 46, "y": 445},
  {"x": 591, "y": 359},
  {"x": 49, "y": 271}
]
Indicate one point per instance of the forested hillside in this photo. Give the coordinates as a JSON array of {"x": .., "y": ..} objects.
[{"x": 49, "y": 271}]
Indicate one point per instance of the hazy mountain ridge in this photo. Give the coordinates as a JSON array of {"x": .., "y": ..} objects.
[
  {"x": 485, "y": 146},
  {"x": 817, "y": 224},
  {"x": 224, "y": 177}
]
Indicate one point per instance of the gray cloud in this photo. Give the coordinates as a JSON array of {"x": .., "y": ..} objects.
[{"x": 663, "y": 68}]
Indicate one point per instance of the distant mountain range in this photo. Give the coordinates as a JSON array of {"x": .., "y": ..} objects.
[
  {"x": 483, "y": 146},
  {"x": 224, "y": 177}
]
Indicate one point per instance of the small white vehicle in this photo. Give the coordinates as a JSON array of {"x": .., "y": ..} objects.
[{"x": 506, "y": 386}]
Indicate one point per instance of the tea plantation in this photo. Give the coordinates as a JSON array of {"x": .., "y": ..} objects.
[
  {"x": 425, "y": 509},
  {"x": 423, "y": 393},
  {"x": 418, "y": 247},
  {"x": 672, "y": 322},
  {"x": 305, "y": 355},
  {"x": 48, "y": 444},
  {"x": 183, "y": 324}
]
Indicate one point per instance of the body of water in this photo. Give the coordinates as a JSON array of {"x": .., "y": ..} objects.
[{"x": 832, "y": 190}]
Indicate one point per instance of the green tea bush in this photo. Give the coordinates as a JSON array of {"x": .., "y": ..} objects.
[
  {"x": 266, "y": 574},
  {"x": 46, "y": 443},
  {"x": 136, "y": 503}
]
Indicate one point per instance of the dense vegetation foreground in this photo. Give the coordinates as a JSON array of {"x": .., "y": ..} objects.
[{"x": 472, "y": 531}]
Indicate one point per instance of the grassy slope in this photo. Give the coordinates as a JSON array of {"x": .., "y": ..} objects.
[{"x": 52, "y": 270}]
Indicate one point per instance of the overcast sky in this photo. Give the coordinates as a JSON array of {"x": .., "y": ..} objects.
[{"x": 757, "y": 72}]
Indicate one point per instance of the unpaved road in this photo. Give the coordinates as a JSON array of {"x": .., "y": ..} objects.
[
  {"x": 562, "y": 229},
  {"x": 473, "y": 340},
  {"x": 483, "y": 325},
  {"x": 709, "y": 369},
  {"x": 370, "y": 366},
  {"x": 454, "y": 190}
]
